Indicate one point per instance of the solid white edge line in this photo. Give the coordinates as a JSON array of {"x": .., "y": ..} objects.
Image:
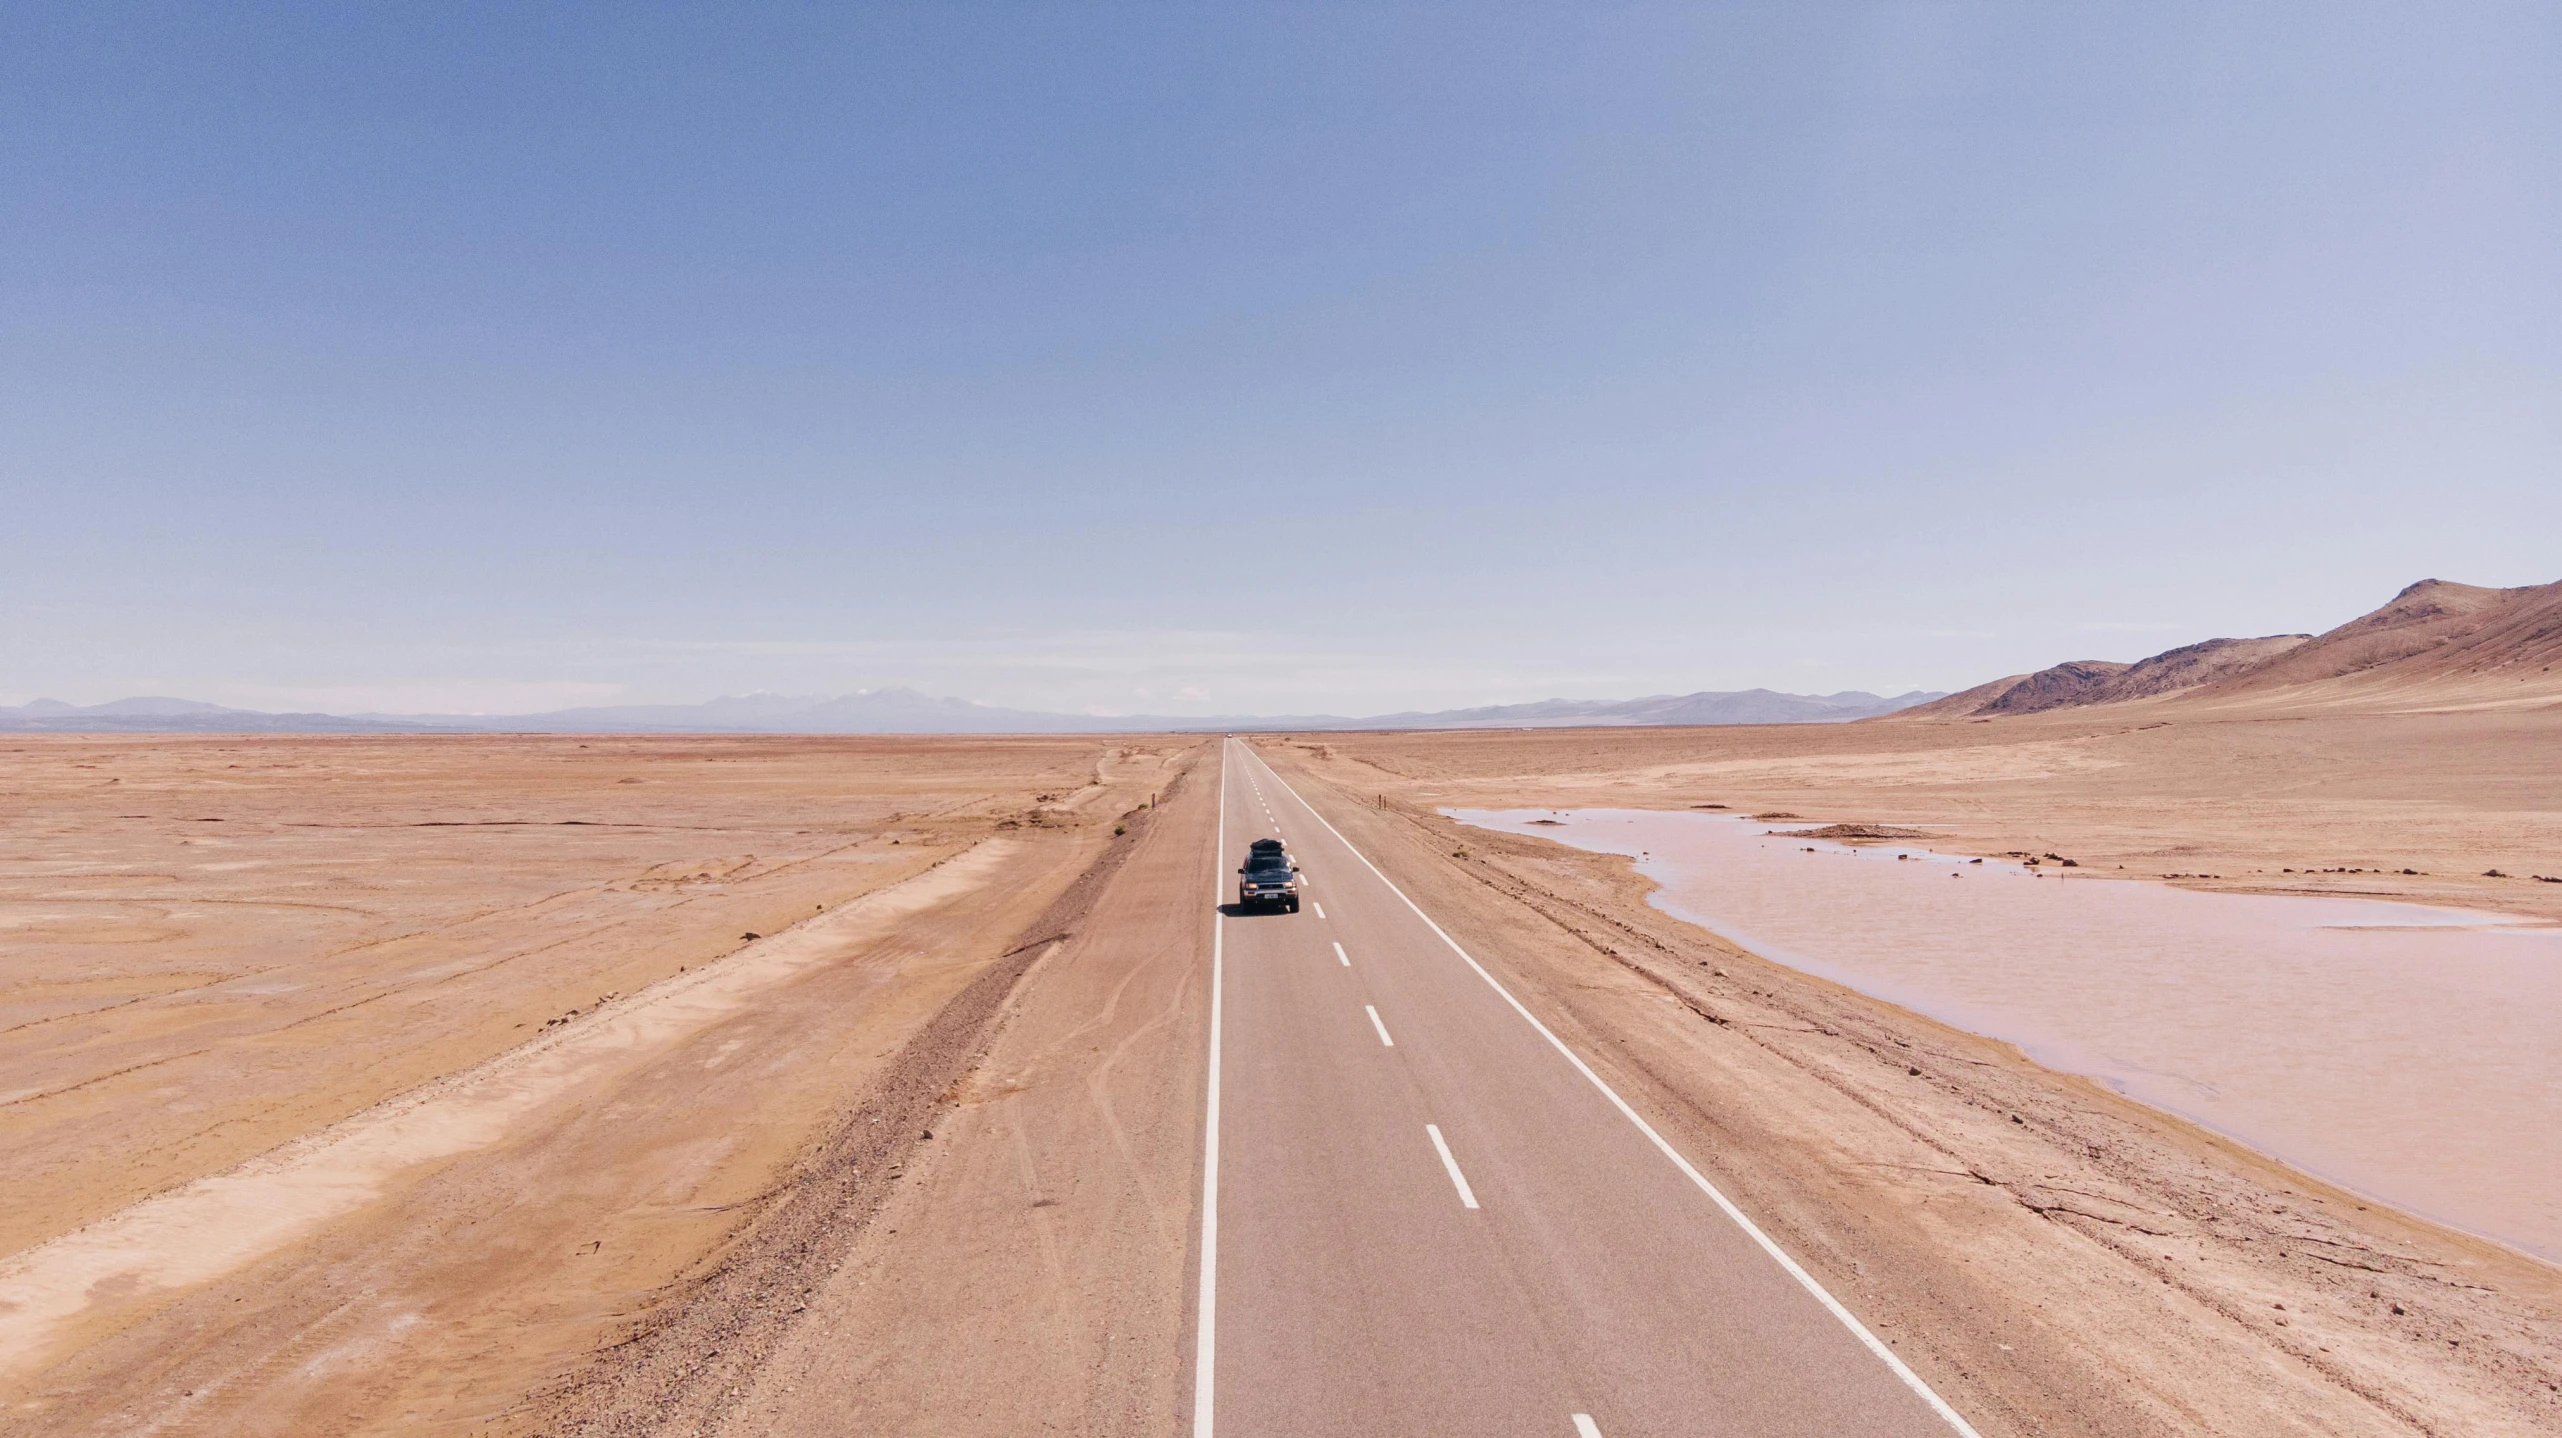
[
  {"x": 1339, "y": 953},
  {"x": 1779, "y": 1255},
  {"x": 1206, "y": 1345},
  {"x": 1458, "y": 1180},
  {"x": 1384, "y": 1040},
  {"x": 1585, "y": 1427}
]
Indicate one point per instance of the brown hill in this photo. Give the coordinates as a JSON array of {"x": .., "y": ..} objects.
[
  {"x": 2433, "y": 635},
  {"x": 2102, "y": 681},
  {"x": 1963, "y": 704},
  {"x": 2074, "y": 682},
  {"x": 2193, "y": 665},
  {"x": 2435, "y": 644}
]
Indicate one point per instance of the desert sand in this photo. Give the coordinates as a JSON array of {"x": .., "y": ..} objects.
[
  {"x": 354, "y": 1083},
  {"x": 435, "y": 1084}
]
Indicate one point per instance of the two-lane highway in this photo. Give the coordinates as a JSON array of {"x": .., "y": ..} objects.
[{"x": 1422, "y": 1213}]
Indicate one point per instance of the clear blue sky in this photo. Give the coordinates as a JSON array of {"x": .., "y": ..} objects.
[{"x": 1217, "y": 358}]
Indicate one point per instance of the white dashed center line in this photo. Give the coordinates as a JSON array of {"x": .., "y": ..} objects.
[
  {"x": 1338, "y": 949},
  {"x": 1736, "y": 1215},
  {"x": 1585, "y": 1427},
  {"x": 1458, "y": 1180},
  {"x": 1387, "y": 1042}
]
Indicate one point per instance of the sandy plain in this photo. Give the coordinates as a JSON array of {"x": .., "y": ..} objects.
[
  {"x": 574, "y": 1155},
  {"x": 353, "y": 1083}
]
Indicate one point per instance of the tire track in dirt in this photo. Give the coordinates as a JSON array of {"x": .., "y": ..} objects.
[{"x": 693, "y": 1355}]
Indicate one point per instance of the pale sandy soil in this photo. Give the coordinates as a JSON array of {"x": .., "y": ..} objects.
[
  {"x": 1067, "y": 1191},
  {"x": 1026, "y": 1270},
  {"x": 361, "y": 1083},
  {"x": 2056, "y": 1259},
  {"x": 993, "y": 1240}
]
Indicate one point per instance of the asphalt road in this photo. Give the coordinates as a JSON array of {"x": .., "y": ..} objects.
[{"x": 1424, "y": 1215}]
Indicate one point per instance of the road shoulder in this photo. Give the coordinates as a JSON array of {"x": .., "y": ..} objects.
[{"x": 1026, "y": 1271}]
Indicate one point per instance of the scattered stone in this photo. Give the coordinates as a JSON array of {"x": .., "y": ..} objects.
[{"x": 1853, "y": 831}]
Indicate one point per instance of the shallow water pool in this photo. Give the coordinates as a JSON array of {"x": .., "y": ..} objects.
[{"x": 2409, "y": 1052}]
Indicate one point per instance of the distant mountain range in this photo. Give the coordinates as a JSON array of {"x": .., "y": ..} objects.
[
  {"x": 905, "y": 711},
  {"x": 2435, "y": 645},
  {"x": 1744, "y": 706}
]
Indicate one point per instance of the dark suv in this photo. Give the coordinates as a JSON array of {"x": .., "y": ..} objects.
[{"x": 1268, "y": 878}]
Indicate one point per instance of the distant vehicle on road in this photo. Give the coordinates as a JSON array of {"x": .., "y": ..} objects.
[{"x": 1268, "y": 879}]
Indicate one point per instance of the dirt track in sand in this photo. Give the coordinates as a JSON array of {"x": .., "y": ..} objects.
[
  {"x": 687, "y": 1366},
  {"x": 1042, "y": 1245}
]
